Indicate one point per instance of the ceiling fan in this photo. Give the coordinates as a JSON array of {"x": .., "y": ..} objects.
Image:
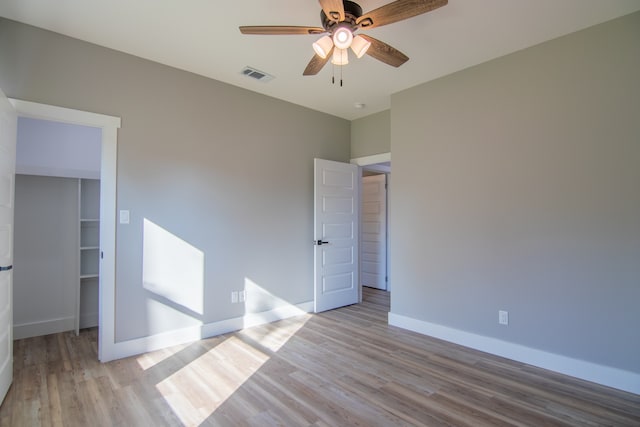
[{"x": 341, "y": 19}]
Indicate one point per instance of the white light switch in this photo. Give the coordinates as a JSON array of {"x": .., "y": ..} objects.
[{"x": 124, "y": 217}]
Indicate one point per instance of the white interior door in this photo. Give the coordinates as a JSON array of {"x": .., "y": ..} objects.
[
  {"x": 336, "y": 235},
  {"x": 373, "y": 261},
  {"x": 8, "y": 125}
]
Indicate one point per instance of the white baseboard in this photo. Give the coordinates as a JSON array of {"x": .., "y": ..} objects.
[
  {"x": 182, "y": 336},
  {"x": 600, "y": 374},
  {"x": 45, "y": 327},
  {"x": 88, "y": 320}
]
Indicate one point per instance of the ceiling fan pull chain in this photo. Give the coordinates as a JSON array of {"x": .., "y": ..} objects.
[
  {"x": 341, "y": 76},
  {"x": 333, "y": 74}
]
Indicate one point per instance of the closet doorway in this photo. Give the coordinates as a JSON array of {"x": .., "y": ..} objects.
[
  {"x": 57, "y": 213},
  {"x": 108, "y": 126}
]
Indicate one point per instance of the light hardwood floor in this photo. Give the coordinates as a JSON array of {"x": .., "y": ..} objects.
[{"x": 343, "y": 367}]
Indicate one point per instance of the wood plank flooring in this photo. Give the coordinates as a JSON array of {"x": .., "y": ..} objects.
[{"x": 339, "y": 368}]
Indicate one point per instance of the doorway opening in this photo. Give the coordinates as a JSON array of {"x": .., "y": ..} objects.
[
  {"x": 107, "y": 209},
  {"x": 374, "y": 231},
  {"x": 56, "y": 247}
]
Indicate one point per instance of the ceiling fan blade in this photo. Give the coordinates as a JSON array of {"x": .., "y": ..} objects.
[
  {"x": 385, "y": 53},
  {"x": 280, "y": 30},
  {"x": 397, "y": 11},
  {"x": 334, "y": 9},
  {"x": 316, "y": 64}
]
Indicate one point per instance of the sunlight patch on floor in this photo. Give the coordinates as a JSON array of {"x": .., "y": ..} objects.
[
  {"x": 274, "y": 338},
  {"x": 149, "y": 360},
  {"x": 196, "y": 390}
]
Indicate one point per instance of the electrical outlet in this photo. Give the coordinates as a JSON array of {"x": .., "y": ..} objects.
[
  {"x": 242, "y": 296},
  {"x": 503, "y": 317},
  {"x": 234, "y": 297}
]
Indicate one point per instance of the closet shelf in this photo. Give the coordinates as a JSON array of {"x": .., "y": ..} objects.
[{"x": 87, "y": 300}]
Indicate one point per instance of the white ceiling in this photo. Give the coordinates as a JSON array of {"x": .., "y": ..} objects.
[{"x": 202, "y": 36}]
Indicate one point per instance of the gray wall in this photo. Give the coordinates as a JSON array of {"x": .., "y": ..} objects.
[
  {"x": 371, "y": 134},
  {"x": 517, "y": 187},
  {"x": 45, "y": 254},
  {"x": 223, "y": 170}
]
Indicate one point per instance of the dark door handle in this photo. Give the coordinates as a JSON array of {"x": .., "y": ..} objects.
[
  {"x": 6, "y": 268},
  {"x": 321, "y": 242}
]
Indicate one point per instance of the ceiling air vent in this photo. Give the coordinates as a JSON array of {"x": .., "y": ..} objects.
[{"x": 256, "y": 74}]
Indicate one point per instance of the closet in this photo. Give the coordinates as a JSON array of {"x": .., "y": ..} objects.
[{"x": 57, "y": 227}]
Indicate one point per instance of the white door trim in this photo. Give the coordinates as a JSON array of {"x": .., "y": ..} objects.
[
  {"x": 375, "y": 159},
  {"x": 371, "y": 160},
  {"x": 373, "y": 231},
  {"x": 108, "y": 168}
]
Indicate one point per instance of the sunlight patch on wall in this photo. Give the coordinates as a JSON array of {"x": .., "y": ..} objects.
[
  {"x": 260, "y": 299},
  {"x": 172, "y": 268}
]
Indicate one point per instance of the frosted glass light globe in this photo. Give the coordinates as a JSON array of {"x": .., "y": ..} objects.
[{"x": 342, "y": 38}]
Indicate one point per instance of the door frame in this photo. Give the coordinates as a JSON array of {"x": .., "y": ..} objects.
[
  {"x": 379, "y": 179},
  {"x": 108, "y": 168},
  {"x": 363, "y": 162},
  {"x": 371, "y": 160}
]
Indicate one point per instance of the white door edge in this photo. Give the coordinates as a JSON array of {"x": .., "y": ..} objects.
[{"x": 8, "y": 136}]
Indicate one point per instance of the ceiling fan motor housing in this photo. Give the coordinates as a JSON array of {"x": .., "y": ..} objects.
[{"x": 352, "y": 11}]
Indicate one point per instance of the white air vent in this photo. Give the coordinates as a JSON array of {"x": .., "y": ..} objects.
[{"x": 256, "y": 74}]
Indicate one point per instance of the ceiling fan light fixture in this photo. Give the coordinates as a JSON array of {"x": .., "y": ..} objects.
[
  {"x": 340, "y": 19},
  {"x": 323, "y": 46},
  {"x": 360, "y": 46},
  {"x": 340, "y": 57},
  {"x": 342, "y": 38}
]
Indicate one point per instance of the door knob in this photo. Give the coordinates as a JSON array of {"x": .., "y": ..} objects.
[{"x": 321, "y": 242}]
